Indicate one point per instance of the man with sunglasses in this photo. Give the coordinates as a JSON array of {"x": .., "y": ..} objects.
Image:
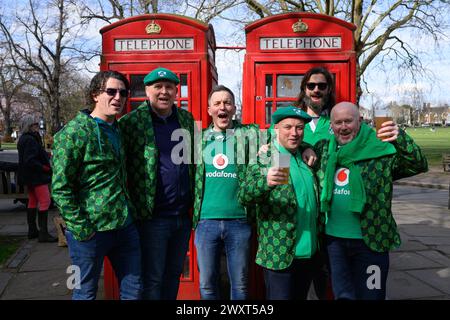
[
  {"x": 161, "y": 177},
  {"x": 89, "y": 188},
  {"x": 316, "y": 98}
]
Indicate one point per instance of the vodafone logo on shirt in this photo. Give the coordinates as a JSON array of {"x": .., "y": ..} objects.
[
  {"x": 341, "y": 177},
  {"x": 220, "y": 161}
]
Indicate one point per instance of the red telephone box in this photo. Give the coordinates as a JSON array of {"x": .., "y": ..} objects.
[
  {"x": 281, "y": 48},
  {"x": 139, "y": 44}
]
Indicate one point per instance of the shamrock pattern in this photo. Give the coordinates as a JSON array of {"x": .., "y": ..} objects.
[
  {"x": 276, "y": 217},
  {"x": 378, "y": 226},
  {"x": 89, "y": 179},
  {"x": 142, "y": 155},
  {"x": 245, "y": 132}
]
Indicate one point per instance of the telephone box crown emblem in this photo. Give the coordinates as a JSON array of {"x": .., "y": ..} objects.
[
  {"x": 153, "y": 28},
  {"x": 299, "y": 26}
]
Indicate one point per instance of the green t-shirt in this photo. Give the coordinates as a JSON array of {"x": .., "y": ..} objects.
[
  {"x": 341, "y": 221},
  {"x": 318, "y": 131},
  {"x": 306, "y": 228},
  {"x": 221, "y": 182}
]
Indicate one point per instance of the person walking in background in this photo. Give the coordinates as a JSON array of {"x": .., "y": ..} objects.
[
  {"x": 220, "y": 221},
  {"x": 35, "y": 173},
  {"x": 160, "y": 180},
  {"x": 89, "y": 188}
]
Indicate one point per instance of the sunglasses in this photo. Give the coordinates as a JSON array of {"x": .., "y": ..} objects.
[
  {"x": 112, "y": 92},
  {"x": 320, "y": 85}
]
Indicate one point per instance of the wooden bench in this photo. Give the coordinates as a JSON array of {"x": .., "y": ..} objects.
[
  {"x": 446, "y": 161},
  {"x": 9, "y": 184}
]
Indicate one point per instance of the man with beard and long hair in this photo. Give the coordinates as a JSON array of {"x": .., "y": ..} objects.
[{"x": 317, "y": 98}]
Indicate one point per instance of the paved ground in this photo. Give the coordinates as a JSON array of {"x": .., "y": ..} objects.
[{"x": 420, "y": 268}]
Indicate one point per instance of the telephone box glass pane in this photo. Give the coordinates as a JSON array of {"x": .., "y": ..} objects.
[
  {"x": 283, "y": 104},
  {"x": 184, "y": 105},
  {"x": 137, "y": 86},
  {"x": 268, "y": 112},
  {"x": 288, "y": 85},
  {"x": 184, "y": 86},
  {"x": 269, "y": 85}
]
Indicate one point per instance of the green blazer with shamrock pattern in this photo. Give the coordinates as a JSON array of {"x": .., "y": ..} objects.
[
  {"x": 142, "y": 156},
  {"x": 246, "y": 149},
  {"x": 276, "y": 216},
  {"x": 89, "y": 179},
  {"x": 378, "y": 226}
]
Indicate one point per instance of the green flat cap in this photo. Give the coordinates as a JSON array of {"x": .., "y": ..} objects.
[
  {"x": 290, "y": 112},
  {"x": 161, "y": 74}
]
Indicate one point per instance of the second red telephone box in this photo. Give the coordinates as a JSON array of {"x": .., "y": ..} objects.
[{"x": 281, "y": 48}]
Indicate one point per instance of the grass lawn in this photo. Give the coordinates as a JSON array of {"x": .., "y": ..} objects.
[
  {"x": 8, "y": 245},
  {"x": 433, "y": 144},
  {"x": 9, "y": 146}
]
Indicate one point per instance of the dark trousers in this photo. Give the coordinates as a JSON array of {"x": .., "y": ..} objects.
[
  {"x": 292, "y": 283},
  {"x": 356, "y": 271}
]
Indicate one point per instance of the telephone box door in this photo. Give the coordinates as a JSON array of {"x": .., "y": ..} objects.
[{"x": 278, "y": 85}]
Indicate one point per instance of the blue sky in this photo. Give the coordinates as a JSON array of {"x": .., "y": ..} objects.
[{"x": 384, "y": 86}]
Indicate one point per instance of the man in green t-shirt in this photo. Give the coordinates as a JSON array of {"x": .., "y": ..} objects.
[
  {"x": 357, "y": 170},
  {"x": 286, "y": 208},
  {"x": 220, "y": 221}
]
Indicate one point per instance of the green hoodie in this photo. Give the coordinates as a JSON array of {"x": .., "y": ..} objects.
[{"x": 89, "y": 179}]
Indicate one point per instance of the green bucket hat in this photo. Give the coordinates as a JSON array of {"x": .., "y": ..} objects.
[
  {"x": 290, "y": 112},
  {"x": 161, "y": 74}
]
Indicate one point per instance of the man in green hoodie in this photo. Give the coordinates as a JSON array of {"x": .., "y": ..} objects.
[
  {"x": 357, "y": 170},
  {"x": 89, "y": 188}
]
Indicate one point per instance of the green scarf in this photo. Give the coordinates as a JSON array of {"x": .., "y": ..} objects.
[{"x": 364, "y": 146}]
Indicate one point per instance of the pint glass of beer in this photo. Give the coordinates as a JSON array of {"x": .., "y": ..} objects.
[
  {"x": 381, "y": 116},
  {"x": 284, "y": 163}
]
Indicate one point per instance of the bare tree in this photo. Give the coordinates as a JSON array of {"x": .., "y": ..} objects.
[
  {"x": 47, "y": 40},
  {"x": 113, "y": 10},
  {"x": 10, "y": 87},
  {"x": 377, "y": 37}
]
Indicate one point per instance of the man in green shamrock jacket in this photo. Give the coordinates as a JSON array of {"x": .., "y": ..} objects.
[
  {"x": 357, "y": 168},
  {"x": 287, "y": 212},
  {"x": 89, "y": 188},
  {"x": 160, "y": 181}
]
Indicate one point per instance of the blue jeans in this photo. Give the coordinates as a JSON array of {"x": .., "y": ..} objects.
[
  {"x": 164, "y": 244},
  {"x": 123, "y": 250},
  {"x": 352, "y": 266},
  {"x": 234, "y": 236},
  {"x": 292, "y": 283}
]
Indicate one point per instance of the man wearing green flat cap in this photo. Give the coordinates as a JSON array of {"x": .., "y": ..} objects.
[
  {"x": 287, "y": 210},
  {"x": 160, "y": 180}
]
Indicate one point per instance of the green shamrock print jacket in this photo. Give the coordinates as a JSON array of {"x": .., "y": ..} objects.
[
  {"x": 378, "y": 227},
  {"x": 142, "y": 156},
  {"x": 89, "y": 179},
  {"x": 276, "y": 216}
]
